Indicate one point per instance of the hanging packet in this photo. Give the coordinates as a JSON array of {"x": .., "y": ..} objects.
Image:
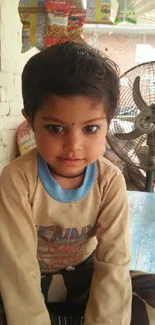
[{"x": 126, "y": 12}]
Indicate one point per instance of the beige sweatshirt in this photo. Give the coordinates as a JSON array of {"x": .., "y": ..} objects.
[{"x": 36, "y": 227}]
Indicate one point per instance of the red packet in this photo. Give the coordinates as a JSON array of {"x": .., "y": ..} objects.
[{"x": 52, "y": 5}]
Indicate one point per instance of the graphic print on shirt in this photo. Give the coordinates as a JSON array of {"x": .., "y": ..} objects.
[{"x": 58, "y": 247}]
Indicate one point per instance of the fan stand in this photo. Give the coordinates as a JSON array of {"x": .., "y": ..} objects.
[
  {"x": 149, "y": 181},
  {"x": 151, "y": 156}
]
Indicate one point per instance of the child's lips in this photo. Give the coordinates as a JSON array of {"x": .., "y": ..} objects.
[{"x": 71, "y": 161}]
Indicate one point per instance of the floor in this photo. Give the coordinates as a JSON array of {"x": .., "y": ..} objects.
[{"x": 142, "y": 214}]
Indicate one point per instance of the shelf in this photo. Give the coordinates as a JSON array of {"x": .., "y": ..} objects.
[{"x": 117, "y": 29}]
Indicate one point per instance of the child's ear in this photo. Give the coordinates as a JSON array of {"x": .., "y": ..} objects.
[{"x": 29, "y": 120}]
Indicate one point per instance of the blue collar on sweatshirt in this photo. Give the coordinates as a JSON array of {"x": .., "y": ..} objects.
[{"x": 52, "y": 187}]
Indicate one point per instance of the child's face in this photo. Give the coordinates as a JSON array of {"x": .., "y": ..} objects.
[{"x": 70, "y": 132}]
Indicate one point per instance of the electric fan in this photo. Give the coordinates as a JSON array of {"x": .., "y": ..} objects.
[{"x": 131, "y": 132}]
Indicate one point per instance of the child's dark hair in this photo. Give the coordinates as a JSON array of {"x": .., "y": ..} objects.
[{"x": 70, "y": 69}]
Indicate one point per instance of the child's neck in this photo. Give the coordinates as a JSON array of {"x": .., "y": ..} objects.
[{"x": 69, "y": 183}]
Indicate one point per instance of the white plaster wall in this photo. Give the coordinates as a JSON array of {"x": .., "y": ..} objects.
[{"x": 11, "y": 65}]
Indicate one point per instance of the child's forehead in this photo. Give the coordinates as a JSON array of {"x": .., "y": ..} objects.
[
  {"x": 58, "y": 99},
  {"x": 73, "y": 109},
  {"x": 70, "y": 101}
]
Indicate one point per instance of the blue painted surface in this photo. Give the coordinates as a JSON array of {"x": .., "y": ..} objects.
[{"x": 142, "y": 216}]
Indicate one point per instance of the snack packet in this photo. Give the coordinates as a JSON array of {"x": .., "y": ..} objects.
[
  {"x": 126, "y": 12},
  {"x": 101, "y": 11},
  {"x": 33, "y": 17},
  {"x": 47, "y": 22}
]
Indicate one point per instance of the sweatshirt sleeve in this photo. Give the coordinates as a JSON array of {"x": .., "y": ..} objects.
[
  {"x": 20, "y": 287},
  {"x": 110, "y": 293}
]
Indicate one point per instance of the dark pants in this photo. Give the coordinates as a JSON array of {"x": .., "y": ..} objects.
[{"x": 77, "y": 284}]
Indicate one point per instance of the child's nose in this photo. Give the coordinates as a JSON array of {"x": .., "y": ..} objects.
[{"x": 73, "y": 142}]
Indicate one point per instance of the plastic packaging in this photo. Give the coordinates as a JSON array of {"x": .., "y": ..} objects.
[
  {"x": 47, "y": 22},
  {"x": 25, "y": 138},
  {"x": 126, "y": 12},
  {"x": 101, "y": 11},
  {"x": 145, "y": 11}
]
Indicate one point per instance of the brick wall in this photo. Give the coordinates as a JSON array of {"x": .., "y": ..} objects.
[
  {"x": 11, "y": 65},
  {"x": 117, "y": 46}
]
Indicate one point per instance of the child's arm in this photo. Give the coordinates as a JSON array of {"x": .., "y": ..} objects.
[
  {"x": 110, "y": 294},
  {"x": 19, "y": 270}
]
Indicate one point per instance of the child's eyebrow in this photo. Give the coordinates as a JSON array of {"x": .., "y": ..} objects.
[
  {"x": 51, "y": 119},
  {"x": 95, "y": 119},
  {"x": 54, "y": 119}
]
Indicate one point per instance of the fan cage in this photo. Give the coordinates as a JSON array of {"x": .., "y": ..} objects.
[{"x": 136, "y": 151}]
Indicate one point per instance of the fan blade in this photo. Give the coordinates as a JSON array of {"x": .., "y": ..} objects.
[
  {"x": 139, "y": 101},
  {"x": 126, "y": 118},
  {"x": 128, "y": 136}
]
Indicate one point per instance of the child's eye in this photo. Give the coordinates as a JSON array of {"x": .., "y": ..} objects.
[
  {"x": 91, "y": 128},
  {"x": 54, "y": 128}
]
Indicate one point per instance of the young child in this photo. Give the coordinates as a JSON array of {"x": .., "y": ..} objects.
[{"x": 64, "y": 224}]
